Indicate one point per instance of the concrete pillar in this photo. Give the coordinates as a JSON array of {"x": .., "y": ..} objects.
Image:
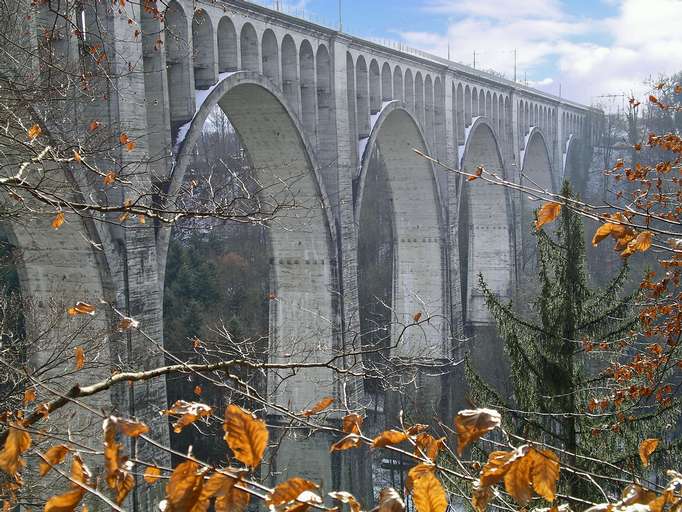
[{"x": 136, "y": 280}]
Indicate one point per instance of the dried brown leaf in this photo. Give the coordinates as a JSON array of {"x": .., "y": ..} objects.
[
  {"x": 346, "y": 497},
  {"x": 641, "y": 243},
  {"x": 231, "y": 499},
  {"x": 289, "y": 490},
  {"x": 417, "y": 472},
  {"x": 189, "y": 412},
  {"x": 66, "y": 502},
  {"x": 29, "y": 395},
  {"x": 348, "y": 442},
  {"x": 184, "y": 487},
  {"x": 390, "y": 501},
  {"x": 152, "y": 474},
  {"x": 481, "y": 497},
  {"x": 496, "y": 467},
  {"x": 389, "y": 438},
  {"x": 428, "y": 493},
  {"x": 549, "y": 212},
  {"x": 417, "y": 429},
  {"x": 517, "y": 479},
  {"x": 471, "y": 424},
  {"x": 319, "y": 407},
  {"x": 427, "y": 445},
  {"x": 246, "y": 435},
  {"x": 646, "y": 448},
  {"x": 58, "y": 220},
  {"x": 131, "y": 428},
  {"x": 34, "y": 132},
  {"x": 544, "y": 472},
  {"x": 352, "y": 423},
  {"x": 17, "y": 442},
  {"x": 110, "y": 178},
  {"x": 54, "y": 455},
  {"x": 127, "y": 323},
  {"x": 82, "y": 308},
  {"x": 79, "y": 354}
]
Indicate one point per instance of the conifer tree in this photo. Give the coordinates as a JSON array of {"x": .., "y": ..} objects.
[{"x": 557, "y": 359}]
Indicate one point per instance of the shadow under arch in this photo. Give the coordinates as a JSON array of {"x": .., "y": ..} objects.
[
  {"x": 575, "y": 164},
  {"x": 536, "y": 174},
  {"x": 401, "y": 269},
  {"x": 485, "y": 232},
  {"x": 56, "y": 269},
  {"x": 485, "y": 239},
  {"x": 536, "y": 163},
  {"x": 418, "y": 281},
  {"x": 303, "y": 267}
]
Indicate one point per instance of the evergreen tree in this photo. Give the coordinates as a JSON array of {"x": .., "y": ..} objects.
[{"x": 557, "y": 380}]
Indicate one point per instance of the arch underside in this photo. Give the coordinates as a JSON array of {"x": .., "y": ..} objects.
[
  {"x": 57, "y": 269},
  {"x": 485, "y": 242},
  {"x": 537, "y": 175},
  {"x": 301, "y": 310},
  {"x": 537, "y": 172},
  {"x": 418, "y": 268},
  {"x": 575, "y": 165}
]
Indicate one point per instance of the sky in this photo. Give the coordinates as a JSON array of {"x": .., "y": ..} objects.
[{"x": 585, "y": 48}]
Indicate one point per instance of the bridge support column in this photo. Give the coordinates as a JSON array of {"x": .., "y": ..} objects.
[
  {"x": 360, "y": 479},
  {"x": 132, "y": 251}
]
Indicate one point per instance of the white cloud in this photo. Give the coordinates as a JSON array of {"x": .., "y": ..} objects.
[
  {"x": 541, "y": 83},
  {"x": 499, "y": 9},
  {"x": 586, "y": 57}
]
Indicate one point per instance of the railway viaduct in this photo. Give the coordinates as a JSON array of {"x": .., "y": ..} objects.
[{"x": 312, "y": 106}]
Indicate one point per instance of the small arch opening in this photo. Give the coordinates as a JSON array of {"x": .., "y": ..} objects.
[
  {"x": 270, "y": 56},
  {"x": 249, "y": 46}
]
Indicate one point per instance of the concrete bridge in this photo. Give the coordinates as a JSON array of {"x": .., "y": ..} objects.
[{"x": 312, "y": 106}]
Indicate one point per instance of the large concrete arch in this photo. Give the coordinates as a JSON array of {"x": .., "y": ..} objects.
[
  {"x": 536, "y": 173},
  {"x": 485, "y": 238},
  {"x": 58, "y": 268},
  {"x": 576, "y": 161},
  {"x": 536, "y": 167},
  {"x": 419, "y": 253},
  {"x": 486, "y": 233},
  {"x": 302, "y": 316},
  {"x": 303, "y": 270},
  {"x": 418, "y": 242}
]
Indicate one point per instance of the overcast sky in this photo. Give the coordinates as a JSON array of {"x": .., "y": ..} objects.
[{"x": 590, "y": 47}]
